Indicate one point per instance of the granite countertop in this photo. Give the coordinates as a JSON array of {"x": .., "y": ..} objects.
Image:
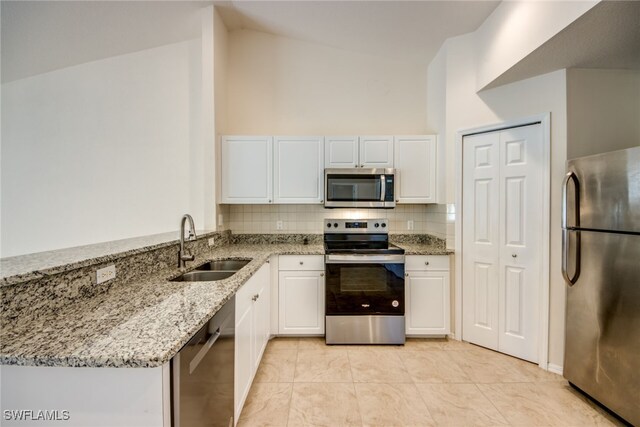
[
  {"x": 143, "y": 324},
  {"x": 424, "y": 249}
]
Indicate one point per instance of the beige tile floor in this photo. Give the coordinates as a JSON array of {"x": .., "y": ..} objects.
[{"x": 303, "y": 382}]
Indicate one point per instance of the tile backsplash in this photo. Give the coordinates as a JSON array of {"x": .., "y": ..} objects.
[{"x": 433, "y": 219}]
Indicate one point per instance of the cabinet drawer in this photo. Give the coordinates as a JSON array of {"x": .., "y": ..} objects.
[
  {"x": 301, "y": 262},
  {"x": 426, "y": 262}
]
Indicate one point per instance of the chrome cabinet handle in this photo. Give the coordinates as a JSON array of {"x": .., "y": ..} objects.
[
  {"x": 514, "y": 255},
  {"x": 406, "y": 274},
  {"x": 301, "y": 263},
  {"x": 321, "y": 274},
  {"x": 255, "y": 297},
  {"x": 426, "y": 263},
  {"x": 269, "y": 200}
]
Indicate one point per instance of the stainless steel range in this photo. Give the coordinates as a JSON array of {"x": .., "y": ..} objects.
[{"x": 364, "y": 283}]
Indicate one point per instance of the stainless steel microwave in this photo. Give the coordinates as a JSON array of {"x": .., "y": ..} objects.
[{"x": 359, "y": 188}]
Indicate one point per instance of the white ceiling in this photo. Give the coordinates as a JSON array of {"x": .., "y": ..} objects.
[
  {"x": 607, "y": 36},
  {"x": 404, "y": 30},
  {"x": 41, "y": 36}
]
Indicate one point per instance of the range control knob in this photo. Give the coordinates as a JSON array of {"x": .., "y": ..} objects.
[
  {"x": 395, "y": 303},
  {"x": 384, "y": 225},
  {"x": 376, "y": 225},
  {"x": 335, "y": 224},
  {"x": 329, "y": 225}
]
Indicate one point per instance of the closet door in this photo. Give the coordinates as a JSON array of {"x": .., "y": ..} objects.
[
  {"x": 480, "y": 244},
  {"x": 520, "y": 240},
  {"x": 502, "y": 226}
]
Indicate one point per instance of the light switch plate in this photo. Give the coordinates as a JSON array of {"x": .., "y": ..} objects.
[
  {"x": 104, "y": 274},
  {"x": 410, "y": 224}
]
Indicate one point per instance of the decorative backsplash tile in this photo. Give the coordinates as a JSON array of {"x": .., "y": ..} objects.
[{"x": 264, "y": 219}]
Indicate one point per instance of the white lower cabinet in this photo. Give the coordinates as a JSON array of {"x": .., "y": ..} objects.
[
  {"x": 252, "y": 332},
  {"x": 427, "y": 287},
  {"x": 301, "y": 295}
]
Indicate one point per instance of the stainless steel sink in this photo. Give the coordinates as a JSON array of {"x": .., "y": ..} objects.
[
  {"x": 224, "y": 265},
  {"x": 203, "y": 276}
]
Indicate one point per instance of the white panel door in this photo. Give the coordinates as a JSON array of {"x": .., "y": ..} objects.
[
  {"x": 246, "y": 164},
  {"x": 520, "y": 240},
  {"x": 341, "y": 151},
  {"x": 427, "y": 303},
  {"x": 298, "y": 169},
  {"x": 414, "y": 158},
  {"x": 301, "y": 303},
  {"x": 376, "y": 151},
  {"x": 502, "y": 226},
  {"x": 481, "y": 248}
]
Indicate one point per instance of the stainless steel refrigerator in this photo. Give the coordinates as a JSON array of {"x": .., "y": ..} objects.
[{"x": 601, "y": 265}]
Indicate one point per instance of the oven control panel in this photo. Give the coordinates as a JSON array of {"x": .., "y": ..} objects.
[{"x": 376, "y": 225}]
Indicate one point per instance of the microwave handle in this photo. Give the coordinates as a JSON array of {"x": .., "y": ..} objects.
[{"x": 383, "y": 188}]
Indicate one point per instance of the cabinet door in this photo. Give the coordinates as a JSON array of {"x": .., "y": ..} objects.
[
  {"x": 341, "y": 152},
  {"x": 298, "y": 169},
  {"x": 244, "y": 363},
  {"x": 246, "y": 164},
  {"x": 415, "y": 163},
  {"x": 376, "y": 151},
  {"x": 261, "y": 314},
  {"x": 427, "y": 303},
  {"x": 301, "y": 303}
]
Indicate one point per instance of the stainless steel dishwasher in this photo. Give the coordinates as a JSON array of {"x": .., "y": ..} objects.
[{"x": 202, "y": 374}]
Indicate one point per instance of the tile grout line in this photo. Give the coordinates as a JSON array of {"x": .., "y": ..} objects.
[{"x": 492, "y": 403}]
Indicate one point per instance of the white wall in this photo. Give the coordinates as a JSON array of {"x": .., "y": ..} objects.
[
  {"x": 100, "y": 151},
  {"x": 517, "y": 28},
  {"x": 603, "y": 110},
  {"x": 279, "y": 85},
  {"x": 220, "y": 66},
  {"x": 466, "y": 109}
]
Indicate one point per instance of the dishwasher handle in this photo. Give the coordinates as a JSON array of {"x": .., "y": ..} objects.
[{"x": 204, "y": 350}]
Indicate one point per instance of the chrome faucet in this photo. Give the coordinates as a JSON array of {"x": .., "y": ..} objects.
[{"x": 182, "y": 256}]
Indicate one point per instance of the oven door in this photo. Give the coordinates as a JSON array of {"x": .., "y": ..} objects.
[{"x": 364, "y": 285}]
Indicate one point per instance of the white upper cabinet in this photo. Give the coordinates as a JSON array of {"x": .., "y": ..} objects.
[
  {"x": 298, "y": 169},
  {"x": 247, "y": 163},
  {"x": 363, "y": 152},
  {"x": 415, "y": 163},
  {"x": 376, "y": 152},
  {"x": 341, "y": 151}
]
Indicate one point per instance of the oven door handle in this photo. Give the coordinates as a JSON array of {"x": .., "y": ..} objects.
[{"x": 364, "y": 259}]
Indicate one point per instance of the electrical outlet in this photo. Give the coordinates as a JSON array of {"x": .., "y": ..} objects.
[
  {"x": 105, "y": 274},
  {"x": 410, "y": 224},
  {"x": 279, "y": 225},
  {"x": 220, "y": 219},
  {"x": 212, "y": 241}
]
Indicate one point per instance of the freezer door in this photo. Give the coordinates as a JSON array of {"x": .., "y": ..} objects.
[
  {"x": 609, "y": 191},
  {"x": 602, "y": 343}
]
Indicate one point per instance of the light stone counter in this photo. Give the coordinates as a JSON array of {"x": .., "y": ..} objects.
[
  {"x": 142, "y": 324},
  {"x": 144, "y": 319}
]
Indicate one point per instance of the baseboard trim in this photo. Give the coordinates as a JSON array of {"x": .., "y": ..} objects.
[{"x": 556, "y": 369}]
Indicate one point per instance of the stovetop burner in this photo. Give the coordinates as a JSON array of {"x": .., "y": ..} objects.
[{"x": 358, "y": 236}]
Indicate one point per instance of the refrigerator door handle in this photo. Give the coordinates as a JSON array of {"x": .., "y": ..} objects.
[
  {"x": 570, "y": 176},
  {"x": 565, "y": 257}
]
